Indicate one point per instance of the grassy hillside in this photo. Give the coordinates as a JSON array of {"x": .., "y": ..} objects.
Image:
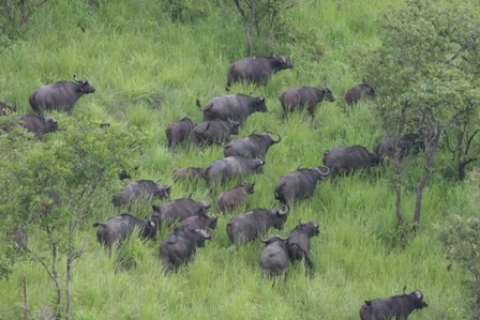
[{"x": 147, "y": 72}]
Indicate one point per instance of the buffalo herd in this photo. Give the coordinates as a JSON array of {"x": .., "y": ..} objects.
[{"x": 223, "y": 117}]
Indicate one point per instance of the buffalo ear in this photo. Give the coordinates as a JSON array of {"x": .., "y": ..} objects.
[
  {"x": 156, "y": 208},
  {"x": 368, "y": 302}
]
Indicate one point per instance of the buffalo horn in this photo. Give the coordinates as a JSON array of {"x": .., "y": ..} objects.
[
  {"x": 278, "y": 139},
  {"x": 253, "y": 132},
  {"x": 299, "y": 166},
  {"x": 405, "y": 287},
  {"x": 75, "y": 77},
  {"x": 204, "y": 233},
  {"x": 284, "y": 211},
  {"x": 205, "y": 204}
]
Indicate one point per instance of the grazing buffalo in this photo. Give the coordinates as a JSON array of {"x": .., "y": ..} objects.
[
  {"x": 213, "y": 132},
  {"x": 178, "y": 210},
  {"x": 304, "y": 97},
  {"x": 362, "y": 91},
  {"x": 38, "y": 125},
  {"x": 399, "y": 147},
  {"x": 187, "y": 174},
  {"x": 398, "y": 307},
  {"x": 178, "y": 132},
  {"x": 200, "y": 221},
  {"x": 256, "y": 70},
  {"x": 141, "y": 189},
  {"x": 180, "y": 247},
  {"x": 229, "y": 200},
  {"x": 220, "y": 171},
  {"x": 248, "y": 226},
  {"x": 117, "y": 229},
  {"x": 59, "y": 96},
  {"x": 235, "y": 107},
  {"x": 251, "y": 147},
  {"x": 347, "y": 159},
  {"x": 298, "y": 246},
  {"x": 299, "y": 184},
  {"x": 6, "y": 108},
  {"x": 274, "y": 256},
  {"x": 18, "y": 236}
]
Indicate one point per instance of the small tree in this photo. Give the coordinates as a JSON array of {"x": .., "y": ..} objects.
[
  {"x": 71, "y": 165},
  {"x": 423, "y": 83},
  {"x": 260, "y": 17}
]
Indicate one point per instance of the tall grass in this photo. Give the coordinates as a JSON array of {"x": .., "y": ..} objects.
[{"x": 148, "y": 71}]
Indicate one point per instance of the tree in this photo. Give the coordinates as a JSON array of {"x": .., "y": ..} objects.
[
  {"x": 426, "y": 77},
  {"x": 59, "y": 177},
  {"x": 260, "y": 17}
]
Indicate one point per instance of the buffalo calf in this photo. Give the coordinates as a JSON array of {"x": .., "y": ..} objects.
[
  {"x": 304, "y": 97},
  {"x": 141, "y": 189},
  {"x": 362, "y": 91},
  {"x": 178, "y": 131},
  {"x": 229, "y": 200},
  {"x": 39, "y": 125},
  {"x": 348, "y": 159},
  {"x": 298, "y": 246}
]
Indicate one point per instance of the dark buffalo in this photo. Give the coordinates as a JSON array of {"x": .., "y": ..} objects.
[
  {"x": 213, "y": 132},
  {"x": 256, "y": 70},
  {"x": 235, "y": 107},
  {"x": 6, "y": 108},
  {"x": 231, "y": 199},
  {"x": 304, "y": 97},
  {"x": 178, "y": 210},
  {"x": 220, "y": 171},
  {"x": 178, "y": 132},
  {"x": 274, "y": 256},
  {"x": 299, "y": 184},
  {"x": 38, "y": 125},
  {"x": 117, "y": 229},
  {"x": 180, "y": 247},
  {"x": 398, "y": 307},
  {"x": 18, "y": 236},
  {"x": 200, "y": 221},
  {"x": 45, "y": 208},
  {"x": 347, "y": 159},
  {"x": 59, "y": 96},
  {"x": 141, "y": 189},
  {"x": 362, "y": 91},
  {"x": 251, "y": 147},
  {"x": 399, "y": 147},
  {"x": 298, "y": 246},
  {"x": 187, "y": 174},
  {"x": 248, "y": 226}
]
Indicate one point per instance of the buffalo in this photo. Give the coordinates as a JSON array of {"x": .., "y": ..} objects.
[
  {"x": 256, "y": 70},
  {"x": 59, "y": 96},
  {"x": 178, "y": 132},
  {"x": 117, "y": 229},
  {"x": 18, "y": 236},
  {"x": 298, "y": 246},
  {"x": 304, "y": 97},
  {"x": 299, "y": 184},
  {"x": 248, "y": 226},
  {"x": 398, "y": 307},
  {"x": 348, "y": 159},
  {"x": 399, "y": 147},
  {"x": 178, "y": 210},
  {"x": 38, "y": 125},
  {"x": 6, "y": 108},
  {"x": 199, "y": 221},
  {"x": 213, "y": 132},
  {"x": 180, "y": 246},
  {"x": 235, "y": 107},
  {"x": 362, "y": 91},
  {"x": 274, "y": 256},
  {"x": 141, "y": 189},
  {"x": 220, "y": 171},
  {"x": 229, "y": 200},
  {"x": 251, "y": 147},
  {"x": 187, "y": 174}
]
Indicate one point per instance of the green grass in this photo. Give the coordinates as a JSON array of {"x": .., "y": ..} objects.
[{"x": 148, "y": 72}]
